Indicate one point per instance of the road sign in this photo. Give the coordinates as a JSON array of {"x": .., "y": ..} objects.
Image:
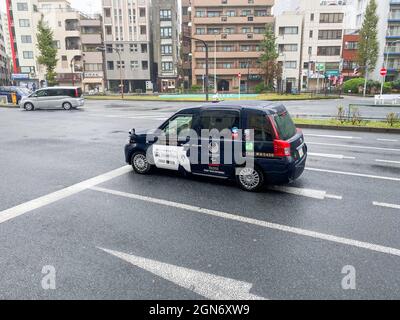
[{"x": 383, "y": 72}]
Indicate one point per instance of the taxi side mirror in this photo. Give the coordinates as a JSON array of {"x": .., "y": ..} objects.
[{"x": 132, "y": 132}]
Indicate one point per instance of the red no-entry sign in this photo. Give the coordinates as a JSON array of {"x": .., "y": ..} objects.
[{"x": 383, "y": 72}]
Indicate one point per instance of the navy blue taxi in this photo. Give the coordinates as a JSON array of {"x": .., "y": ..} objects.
[{"x": 263, "y": 132}]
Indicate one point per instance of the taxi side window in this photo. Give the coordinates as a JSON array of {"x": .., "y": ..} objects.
[
  {"x": 42, "y": 93},
  {"x": 261, "y": 126},
  {"x": 178, "y": 125},
  {"x": 219, "y": 120}
]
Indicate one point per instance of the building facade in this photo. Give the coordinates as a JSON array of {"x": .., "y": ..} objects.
[
  {"x": 165, "y": 45},
  {"x": 186, "y": 44},
  {"x": 93, "y": 78},
  {"x": 289, "y": 33},
  {"x": 324, "y": 23},
  {"x": 126, "y": 32},
  {"x": 4, "y": 58},
  {"x": 233, "y": 30},
  {"x": 22, "y": 18}
]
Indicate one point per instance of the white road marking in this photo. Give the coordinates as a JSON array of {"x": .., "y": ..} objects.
[
  {"x": 354, "y": 174},
  {"x": 208, "y": 285},
  {"x": 388, "y": 140},
  {"x": 260, "y": 223},
  {"x": 387, "y": 161},
  {"x": 61, "y": 194},
  {"x": 315, "y": 194},
  {"x": 331, "y": 136},
  {"x": 327, "y": 155},
  {"x": 386, "y": 205},
  {"x": 350, "y": 146}
]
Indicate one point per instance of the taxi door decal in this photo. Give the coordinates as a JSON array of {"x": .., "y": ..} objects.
[{"x": 171, "y": 157}]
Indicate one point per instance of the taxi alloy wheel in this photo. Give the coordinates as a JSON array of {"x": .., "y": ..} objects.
[
  {"x": 140, "y": 163},
  {"x": 250, "y": 179},
  {"x": 67, "y": 106}
]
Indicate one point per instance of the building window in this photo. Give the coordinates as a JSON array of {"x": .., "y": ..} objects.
[
  {"x": 28, "y": 54},
  {"x": 120, "y": 47},
  {"x": 108, "y": 30},
  {"x": 288, "y": 30},
  {"x": 110, "y": 65},
  {"x": 26, "y": 39},
  {"x": 261, "y": 13},
  {"x": 145, "y": 65},
  {"x": 133, "y": 48},
  {"x": 292, "y": 47},
  {"x": 246, "y": 29},
  {"x": 143, "y": 48},
  {"x": 312, "y": 17},
  {"x": 166, "y": 32},
  {"x": 200, "y": 30},
  {"x": 351, "y": 45},
  {"x": 143, "y": 30},
  {"x": 311, "y": 33},
  {"x": 259, "y": 30},
  {"x": 328, "y": 51},
  {"x": 120, "y": 64},
  {"x": 107, "y": 12},
  {"x": 231, "y": 13},
  {"x": 167, "y": 66},
  {"x": 166, "y": 49},
  {"x": 134, "y": 64},
  {"x": 331, "y": 17},
  {"x": 213, "y": 14},
  {"x": 24, "y": 23},
  {"x": 330, "y": 34},
  {"x": 142, "y": 12},
  {"x": 165, "y": 14},
  {"x": 290, "y": 64},
  {"x": 22, "y": 6},
  {"x": 56, "y": 44},
  {"x": 245, "y": 13},
  {"x": 200, "y": 13}
]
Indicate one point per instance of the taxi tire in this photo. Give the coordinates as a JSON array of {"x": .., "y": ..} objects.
[
  {"x": 134, "y": 159},
  {"x": 260, "y": 184},
  {"x": 67, "y": 106}
]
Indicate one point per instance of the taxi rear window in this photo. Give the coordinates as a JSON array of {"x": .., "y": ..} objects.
[{"x": 285, "y": 126}]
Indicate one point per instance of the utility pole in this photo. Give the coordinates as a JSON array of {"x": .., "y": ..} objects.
[
  {"x": 248, "y": 76},
  {"x": 215, "y": 65}
]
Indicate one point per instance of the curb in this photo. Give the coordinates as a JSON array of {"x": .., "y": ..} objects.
[
  {"x": 348, "y": 128},
  {"x": 9, "y": 106}
]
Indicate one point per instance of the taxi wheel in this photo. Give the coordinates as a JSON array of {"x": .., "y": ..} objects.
[
  {"x": 250, "y": 179},
  {"x": 140, "y": 164}
]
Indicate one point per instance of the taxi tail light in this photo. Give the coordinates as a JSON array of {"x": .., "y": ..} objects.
[
  {"x": 76, "y": 93},
  {"x": 281, "y": 148}
]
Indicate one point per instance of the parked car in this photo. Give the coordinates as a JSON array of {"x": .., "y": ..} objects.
[
  {"x": 270, "y": 139},
  {"x": 53, "y": 97},
  {"x": 20, "y": 93}
]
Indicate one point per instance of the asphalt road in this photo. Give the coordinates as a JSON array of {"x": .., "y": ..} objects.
[{"x": 163, "y": 236}]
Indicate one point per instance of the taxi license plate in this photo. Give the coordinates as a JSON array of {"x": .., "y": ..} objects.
[{"x": 301, "y": 153}]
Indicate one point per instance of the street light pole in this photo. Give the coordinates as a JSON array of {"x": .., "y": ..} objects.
[
  {"x": 248, "y": 76},
  {"x": 215, "y": 65},
  {"x": 206, "y": 82}
]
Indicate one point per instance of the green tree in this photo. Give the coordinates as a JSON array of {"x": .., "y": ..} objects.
[
  {"x": 268, "y": 60},
  {"x": 48, "y": 51},
  {"x": 368, "y": 46}
]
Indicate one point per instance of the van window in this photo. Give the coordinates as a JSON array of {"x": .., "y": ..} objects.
[
  {"x": 42, "y": 93},
  {"x": 219, "y": 120},
  {"x": 285, "y": 126},
  {"x": 261, "y": 126},
  {"x": 179, "y": 125}
]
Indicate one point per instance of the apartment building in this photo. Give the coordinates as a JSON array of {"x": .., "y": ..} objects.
[
  {"x": 390, "y": 24},
  {"x": 324, "y": 22},
  {"x": 22, "y": 18},
  {"x": 64, "y": 21},
  {"x": 289, "y": 34},
  {"x": 126, "y": 30},
  {"x": 165, "y": 43},
  {"x": 233, "y": 30},
  {"x": 91, "y": 28},
  {"x": 4, "y": 59},
  {"x": 186, "y": 47}
]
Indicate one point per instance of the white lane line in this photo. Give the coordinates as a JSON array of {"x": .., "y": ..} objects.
[
  {"x": 354, "y": 174},
  {"x": 387, "y": 161},
  {"x": 61, "y": 194},
  {"x": 386, "y": 205},
  {"x": 315, "y": 194},
  {"x": 332, "y": 156},
  {"x": 208, "y": 285},
  {"x": 350, "y": 146},
  {"x": 331, "y": 136},
  {"x": 260, "y": 223},
  {"x": 388, "y": 140}
]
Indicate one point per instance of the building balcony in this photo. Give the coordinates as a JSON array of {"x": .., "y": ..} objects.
[
  {"x": 225, "y": 72},
  {"x": 230, "y": 37},
  {"x": 91, "y": 38},
  {"x": 236, "y": 3},
  {"x": 233, "y": 20},
  {"x": 228, "y": 55}
]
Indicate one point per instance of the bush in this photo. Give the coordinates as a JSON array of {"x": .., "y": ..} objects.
[
  {"x": 396, "y": 85},
  {"x": 260, "y": 88},
  {"x": 196, "y": 88},
  {"x": 353, "y": 85},
  {"x": 392, "y": 118},
  {"x": 341, "y": 114}
]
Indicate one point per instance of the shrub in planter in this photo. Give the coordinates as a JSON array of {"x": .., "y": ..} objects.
[{"x": 353, "y": 85}]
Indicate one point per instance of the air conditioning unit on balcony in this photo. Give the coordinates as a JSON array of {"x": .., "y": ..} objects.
[
  {"x": 224, "y": 36},
  {"x": 250, "y": 18},
  {"x": 224, "y": 18},
  {"x": 249, "y": 36}
]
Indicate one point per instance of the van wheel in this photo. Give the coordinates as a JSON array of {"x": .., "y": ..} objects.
[
  {"x": 250, "y": 179},
  {"x": 140, "y": 164},
  {"x": 67, "y": 106},
  {"x": 29, "y": 106}
]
